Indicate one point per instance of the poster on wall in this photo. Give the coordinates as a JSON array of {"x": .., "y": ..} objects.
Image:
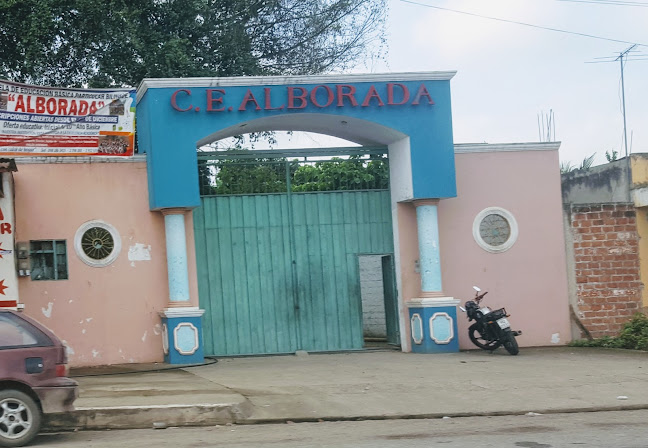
[
  {"x": 50, "y": 121},
  {"x": 8, "y": 276}
]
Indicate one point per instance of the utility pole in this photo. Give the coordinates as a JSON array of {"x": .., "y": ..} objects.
[{"x": 625, "y": 132}]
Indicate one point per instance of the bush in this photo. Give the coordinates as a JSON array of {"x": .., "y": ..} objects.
[{"x": 633, "y": 335}]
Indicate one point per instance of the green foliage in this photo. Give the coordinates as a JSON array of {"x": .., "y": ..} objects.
[
  {"x": 235, "y": 177},
  {"x": 342, "y": 174},
  {"x": 633, "y": 335},
  {"x": 567, "y": 167},
  {"x": 100, "y": 43},
  {"x": 261, "y": 175},
  {"x": 611, "y": 156}
]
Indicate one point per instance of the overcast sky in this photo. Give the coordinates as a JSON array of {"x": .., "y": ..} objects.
[{"x": 508, "y": 74}]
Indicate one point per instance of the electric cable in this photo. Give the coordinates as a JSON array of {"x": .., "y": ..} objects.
[{"x": 497, "y": 19}]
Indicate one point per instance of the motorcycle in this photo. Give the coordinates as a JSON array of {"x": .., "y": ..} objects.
[{"x": 491, "y": 328}]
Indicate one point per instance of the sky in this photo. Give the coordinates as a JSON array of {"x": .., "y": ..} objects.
[{"x": 508, "y": 74}]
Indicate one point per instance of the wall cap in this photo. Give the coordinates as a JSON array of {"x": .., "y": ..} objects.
[
  {"x": 189, "y": 311},
  {"x": 138, "y": 158},
  {"x": 465, "y": 148},
  {"x": 429, "y": 302}
]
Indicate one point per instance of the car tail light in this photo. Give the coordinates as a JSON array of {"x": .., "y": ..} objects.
[{"x": 62, "y": 370}]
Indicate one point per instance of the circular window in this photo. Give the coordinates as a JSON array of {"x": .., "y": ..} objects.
[
  {"x": 97, "y": 243},
  {"x": 495, "y": 229}
]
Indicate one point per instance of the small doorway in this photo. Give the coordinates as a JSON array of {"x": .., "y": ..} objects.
[{"x": 379, "y": 300}]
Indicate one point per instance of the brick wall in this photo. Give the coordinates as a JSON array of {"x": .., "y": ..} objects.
[{"x": 606, "y": 262}]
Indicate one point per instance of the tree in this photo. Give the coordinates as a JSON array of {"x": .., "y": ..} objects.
[
  {"x": 101, "y": 43},
  {"x": 338, "y": 174},
  {"x": 263, "y": 175}
]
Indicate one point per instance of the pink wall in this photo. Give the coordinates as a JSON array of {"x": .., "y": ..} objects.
[
  {"x": 529, "y": 279},
  {"x": 106, "y": 315}
]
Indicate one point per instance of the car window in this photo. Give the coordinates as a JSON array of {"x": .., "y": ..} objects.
[{"x": 15, "y": 332}]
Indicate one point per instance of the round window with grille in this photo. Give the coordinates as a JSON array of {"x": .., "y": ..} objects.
[
  {"x": 495, "y": 229},
  {"x": 97, "y": 243}
]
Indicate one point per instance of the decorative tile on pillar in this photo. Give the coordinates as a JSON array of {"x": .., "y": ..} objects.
[
  {"x": 416, "y": 324},
  {"x": 185, "y": 337},
  {"x": 441, "y": 328}
]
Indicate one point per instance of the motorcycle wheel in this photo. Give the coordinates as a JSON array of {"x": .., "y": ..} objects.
[
  {"x": 477, "y": 339},
  {"x": 510, "y": 344}
]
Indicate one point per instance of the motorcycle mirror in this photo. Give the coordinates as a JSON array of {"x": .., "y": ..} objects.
[
  {"x": 476, "y": 288},
  {"x": 462, "y": 309}
]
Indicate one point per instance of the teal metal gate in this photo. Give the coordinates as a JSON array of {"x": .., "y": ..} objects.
[{"x": 278, "y": 270}]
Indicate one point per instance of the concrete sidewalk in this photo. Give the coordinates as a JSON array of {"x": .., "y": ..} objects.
[{"x": 363, "y": 385}]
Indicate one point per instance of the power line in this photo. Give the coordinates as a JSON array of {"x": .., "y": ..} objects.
[
  {"x": 591, "y": 36},
  {"x": 609, "y": 2}
]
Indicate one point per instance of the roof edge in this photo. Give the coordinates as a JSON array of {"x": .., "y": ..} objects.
[{"x": 465, "y": 148}]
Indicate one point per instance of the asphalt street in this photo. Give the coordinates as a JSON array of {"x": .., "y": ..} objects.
[{"x": 620, "y": 429}]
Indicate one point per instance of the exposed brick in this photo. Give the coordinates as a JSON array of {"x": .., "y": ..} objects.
[{"x": 606, "y": 265}]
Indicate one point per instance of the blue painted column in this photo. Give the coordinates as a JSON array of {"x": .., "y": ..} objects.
[
  {"x": 427, "y": 221},
  {"x": 181, "y": 322},
  {"x": 433, "y": 316},
  {"x": 176, "y": 248}
]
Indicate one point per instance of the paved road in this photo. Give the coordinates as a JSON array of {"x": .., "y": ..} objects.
[{"x": 621, "y": 429}]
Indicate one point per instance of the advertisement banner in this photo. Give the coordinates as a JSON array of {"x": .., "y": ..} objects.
[
  {"x": 52, "y": 121},
  {"x": 8, "y": 276}
]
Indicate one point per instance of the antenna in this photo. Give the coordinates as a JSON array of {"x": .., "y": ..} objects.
[
  {"x": 625, "y": 132},
  {"x": 622, "y": 55},
  {"x": 547, "y": 126}
]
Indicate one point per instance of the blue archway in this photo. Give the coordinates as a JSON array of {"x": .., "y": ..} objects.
[{"x": 411, "y": 111}]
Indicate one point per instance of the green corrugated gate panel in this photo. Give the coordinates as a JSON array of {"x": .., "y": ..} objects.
[{"x": 257, "y": 298}]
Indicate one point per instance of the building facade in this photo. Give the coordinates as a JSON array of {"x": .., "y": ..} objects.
[{"x": 186, "y": 274}]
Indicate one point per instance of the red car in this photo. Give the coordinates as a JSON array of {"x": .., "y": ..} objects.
[{"x": 33, "y": 378}]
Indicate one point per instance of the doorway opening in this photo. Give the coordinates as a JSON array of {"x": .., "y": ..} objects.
[{"x": 379, "y": 301}]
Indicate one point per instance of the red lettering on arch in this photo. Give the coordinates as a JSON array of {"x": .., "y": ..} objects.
[
  {"x": 422, "y": 93},
  {"x": 301, "y": 97},
  {"x": 5, "y": 227},
  {"x": 341, "y": 94},
  {"x": 372, "y": 93},
  {"x": 390, "y": 94},
  {"x": 1, "y": 215},
  {"x": 211, "y": 100},
  {"x": 330, "y": 96},
  {"x": 174, "y": 100},
  {"x": 249, "y": 96},
  {"x": 267, "y": 91}
]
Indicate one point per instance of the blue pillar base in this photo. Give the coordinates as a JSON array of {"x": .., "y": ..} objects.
[
  {"x": 433, "y": 325},
  {"x": 182, "y": 335}
]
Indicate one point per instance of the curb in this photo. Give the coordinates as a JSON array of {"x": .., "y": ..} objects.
[
  {"x": 438, "y": 415},
  {"x": 163, "y": 416},
  {"x": 142, "y": 417}
]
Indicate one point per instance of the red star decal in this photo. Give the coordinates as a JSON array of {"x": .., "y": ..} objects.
[
  {"x": 1, "y": 249},
  {"x": 2, "y": 287}
]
